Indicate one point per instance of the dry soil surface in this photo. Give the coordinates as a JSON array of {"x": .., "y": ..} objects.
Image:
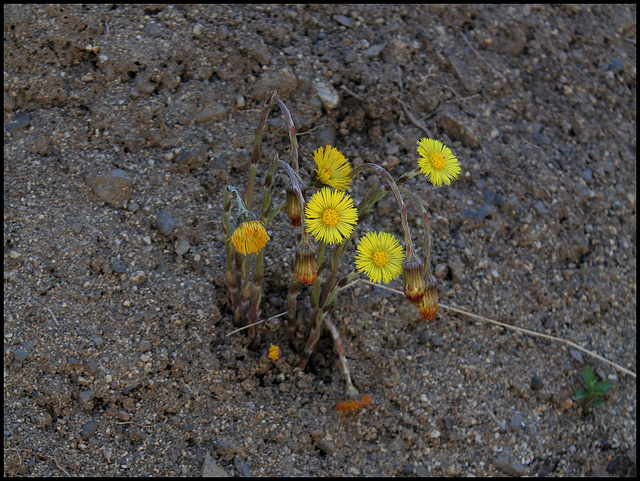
[{"x": 123, "y": 124}]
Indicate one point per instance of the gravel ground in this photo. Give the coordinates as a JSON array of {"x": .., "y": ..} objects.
[{"x": 123, "y": 124}]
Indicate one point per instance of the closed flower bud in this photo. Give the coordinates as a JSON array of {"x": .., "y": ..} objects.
[
  {"x": 429, "y": 305},
  {"x": 293, "y": 208},
  {"x": 413, "y": 279},
  {"x": 305, "y": 265}
]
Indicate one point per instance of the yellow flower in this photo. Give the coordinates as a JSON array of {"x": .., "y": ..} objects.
[
  {"x": 250, "y": 237},
  {"x": 330, "y": 216},
  {"x": 333, "y": 168},
  {"x": 274, "y": 353},
  {"x": 437, "y": 161},
  {"x": 380, "y": 255}
]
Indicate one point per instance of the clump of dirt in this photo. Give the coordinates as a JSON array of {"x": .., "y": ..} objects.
[{"x": 123, "y": 124}]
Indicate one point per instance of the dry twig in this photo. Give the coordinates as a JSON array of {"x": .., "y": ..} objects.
[
  {"x": 480, "y": 57},
  {"x": 413, "y": 120},
  {"x": 40, "y": 454},
  {"x": 514, "y": 328}
]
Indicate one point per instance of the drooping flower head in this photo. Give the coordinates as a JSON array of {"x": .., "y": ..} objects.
[
  {"x": 332, "y": 167},
  {"x": 437, "y": 161},
  {"x": 250, "y": 237},
  {"x": 330, "y": 216},
  {"x": 380, "y": 256},
  {"x": 305, "y": 266}
]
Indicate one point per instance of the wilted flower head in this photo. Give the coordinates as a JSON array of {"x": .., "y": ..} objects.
[
  {"x": 330, "y": 216},
  {"x": 250, "y": 237},
  {"x": 428, "y": 306},
  {"x": 332, "y": 167},
  {"x": 293, "y": 208},
  {"x": 437, "y": 161},
  {"x": 305, "y": 265},
  {"x": 413, "y": 279}
]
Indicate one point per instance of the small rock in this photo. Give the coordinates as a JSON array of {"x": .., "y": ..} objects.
[
  {"x": 342, "y": 20},
  {"x": 139, "y": 277},
  {"x": 326, "y": 136},
  {"x": 328, "y": 447},
  {"x": 514, "y": 469},
  {"x": 90, "y": 367},
  {"x": 144, "y": 346},
  {"x": 540, "y": 208},
  {"x": 283, "y": 80},
  {"x": 328, "y": 95},
  {"x": 457, "y": 270},
  {"x": 88, "y": 429},
  {"x": 398, "y": 444},
  {"x": 437, "y": 341},
  {"x": 441, "y": 271},
  {"x": 85, "y": 398},
  {"x": 197, "y": 29},
  {"x": 213, "y": 111},
  {"x": 19, "y": 356},
  {"x": 210, "y": 468},
  {"x": 375, "y": 50},
  {"x": 117, "y": 265},
  {"x": 458, "y": 129},
  {"x": 182, "y": 246},
  {"x": 516, "y": 421},
  {"x": 192, "y": 159},
  {"x": 536, "y": 383},
  {"x": 166, "y": 223},
  {"x": 242, "y": 468},
  {"x": 19, "y": 123},
  {"x": 113, "y": 188}
]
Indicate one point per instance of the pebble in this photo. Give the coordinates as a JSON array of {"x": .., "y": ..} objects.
[
  {"x": 19, "y": 356},
  {"x": 398, "y": 444},
  {"x": 328, "y": 95},
  {"x": 210, "y": 468},
  {"x": 441, "y": 271},
  {"x": 536, "y": 383},
  {"x": 242, "y": 468},
  {"x": 326, "y": 136},
  {"x": 166, "y": 223},
  {"x": 117, "y": 265},
  {"x": 182, "y": 246},
  {"x": 437, "y": 341},
  {"x": 139, "y": 277},
  {"x": 192, "y": 159},
  {"x": 113, "y": 188},
  {"x": 88, "y": 429},
  {"x": 516, "y": 421},
  {"x": 90, "y": 367},
  {"x": 19, "y": 123},
  {"x": 458, "y": 129},
  {"x": 213, "y": 111},
  {"x": 326, "y": 446},
  {"x": 144, "y": 346},
  {"x": 375, "y": 50},
  {"x": 283, "y": 80},
  {"x": 342, "y": 20},
  {"x": 514, "y": 469},
  {"x": 457, "y": 270},
  {"x": 540, "y": 208},
  {"x": 85, "y": 398}
]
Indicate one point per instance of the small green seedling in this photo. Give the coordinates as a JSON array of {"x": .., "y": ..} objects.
[{"x": 592, "y": 395}]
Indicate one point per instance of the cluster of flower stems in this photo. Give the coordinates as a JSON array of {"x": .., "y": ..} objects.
[{"x": 316, "y": 267}]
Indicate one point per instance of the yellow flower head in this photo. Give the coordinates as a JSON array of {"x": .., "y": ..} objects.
[
  {"x": 274, "y": 353},
  {"x": 330, "y": 216},
  {"x": 333, "y": 167},
  {"x": 437, "y": 161},
  {"x": 250, "y": 237},
  {"x": 380, "y": 255}
]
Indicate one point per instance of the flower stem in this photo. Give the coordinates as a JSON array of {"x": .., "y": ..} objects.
[{"x": 337, "y": 344}]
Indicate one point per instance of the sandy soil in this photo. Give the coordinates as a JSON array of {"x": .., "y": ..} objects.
[{"x": 122, "y": 126}]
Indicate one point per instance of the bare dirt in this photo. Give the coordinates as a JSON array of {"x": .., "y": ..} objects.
[{"x": 123, "y": 124}]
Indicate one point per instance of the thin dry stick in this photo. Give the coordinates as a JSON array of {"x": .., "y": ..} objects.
[
  {"x": 52, "y": 315},
  {"x": 480, "y": 57},
  {"x": 39, "y": 454},
  {"x": 508, "y": 326},
  {"x": 256, "y": 323},
  {"x": 413, "y": 120}
]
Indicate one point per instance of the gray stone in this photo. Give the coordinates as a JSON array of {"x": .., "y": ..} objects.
[
  {"x": 458, "y": 129},
  {"x": 375, "y": 50},
  {"x": 283, "y": 80},
  {"x": 182, "y": 246},
  {"x": 19, "y": 356},
  {"x": 192, "y": 159},
  {"x": 516, "y": 421},
  {"x": 242, "y": 468},
  {"x": 85, "y": 398},
  {"x": 457, "y": 270},
  {"x": 166, "y": 222},
  {"x": 328, "y": 95},
  {"x": 210, "y": 468},
  {"x": 117, "y": 265},
  {"x": 342, "y": 20},
  {"x": 213, "y": 111},
  {"x": 88, "y": 429},
  {"x": 514, "y": 469},
  {"x": 113, "y": 188},
  {"x": 19, "y": 123}
]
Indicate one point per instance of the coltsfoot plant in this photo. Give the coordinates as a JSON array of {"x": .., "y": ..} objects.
[
  {"x": 322, "y": 210},
  {"x": 592, "y": 395}
]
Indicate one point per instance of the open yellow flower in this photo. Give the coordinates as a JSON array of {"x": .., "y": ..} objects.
[
  {"x": 380, "y": 256},
  {"x": 437, "y": 161},
  {"x": 250, "y": 237},
  {"x": 332, "y": 167},
  {"x": 330, "y": 216}
]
